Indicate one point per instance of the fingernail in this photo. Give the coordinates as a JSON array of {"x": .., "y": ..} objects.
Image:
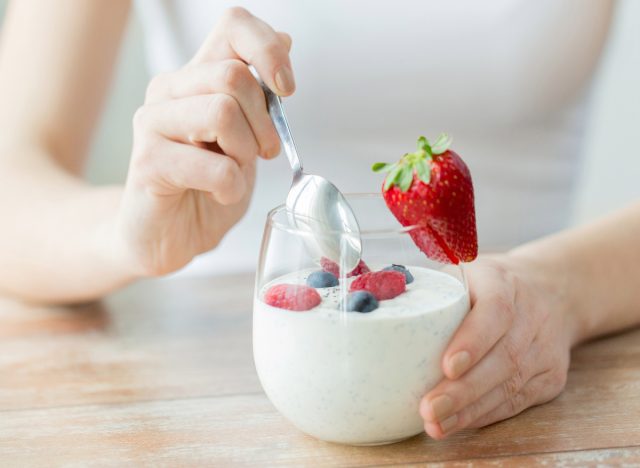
[
  {"x": 442, "y": 407},
  {"x": 449, "y": 423},
  {"x": 459, "y": 363},
  {"x": 284, "y": 80},
  {"x": 272, "y": 152}
]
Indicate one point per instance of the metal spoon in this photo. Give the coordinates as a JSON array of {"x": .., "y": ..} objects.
[{"x": 314, "y": 204}]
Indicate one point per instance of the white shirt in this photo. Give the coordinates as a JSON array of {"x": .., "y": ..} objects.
[{"x": 508, "y": 79}]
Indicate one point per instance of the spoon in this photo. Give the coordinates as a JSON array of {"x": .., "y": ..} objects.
[{"x": 314, "y": 204}]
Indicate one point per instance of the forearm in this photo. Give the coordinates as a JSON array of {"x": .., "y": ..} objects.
[
  {"x": 59, "y": 243},
  {"x": 595, "y": 270}
]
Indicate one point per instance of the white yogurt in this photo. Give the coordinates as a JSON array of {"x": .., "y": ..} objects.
[{"x": 357, "y": 378}]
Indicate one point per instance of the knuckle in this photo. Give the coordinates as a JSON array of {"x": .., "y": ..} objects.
[
  {"x": 466, "y": 391},
  {"x": 143, "y": 156},
  {"x": 272, "y": 48},
  {"x": 516, "y": 403},
  {"x": 141, "y": 119},
  {"x": 471, "y": 413},
  {"x": 503, "y": 307},
  {"x": 286, "y": 37},
  {"x": 221, "y": 111},
  {"x": 156, "y": 86},
  {"x": 236, "y": 74},
  {"x": 513, "y": 354},
  {"x": 235, "y": 13},
  {"x": 512, "y": 386},
  {"x": 225, "y": 175}
]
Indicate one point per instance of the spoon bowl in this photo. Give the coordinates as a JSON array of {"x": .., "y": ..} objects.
[{"x": 314, "y": 204}]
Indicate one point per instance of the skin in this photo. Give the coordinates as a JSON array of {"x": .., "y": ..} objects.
[
  {"x": 530, "y": 307},
  {"x": 196, "y": 140},
  {"x": 192, "y": 171}
]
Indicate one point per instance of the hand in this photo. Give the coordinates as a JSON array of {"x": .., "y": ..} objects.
[
  {"x": 196, "y": 139},
  {"x": 511, "y": 351}
]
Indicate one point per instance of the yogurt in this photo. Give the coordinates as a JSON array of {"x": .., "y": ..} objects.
[{"x": 357, "y": 378}]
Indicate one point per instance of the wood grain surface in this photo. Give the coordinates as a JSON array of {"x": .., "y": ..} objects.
[{"x": 161, "y": 374}]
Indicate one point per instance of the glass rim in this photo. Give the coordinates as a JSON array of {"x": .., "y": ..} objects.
[{"x": 363, "y": 233}]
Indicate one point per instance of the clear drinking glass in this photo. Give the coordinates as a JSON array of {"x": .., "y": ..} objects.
[{"x": 345, "y": 376}]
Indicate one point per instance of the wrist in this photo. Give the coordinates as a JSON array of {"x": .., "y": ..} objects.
[
  {"x": 548, "y": 268},
  {"x": 112, "y": 244}
]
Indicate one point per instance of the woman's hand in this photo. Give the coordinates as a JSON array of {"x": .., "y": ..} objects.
[
  {"x": 196, "y": 139},
  {"x": 511, "y": 351}
]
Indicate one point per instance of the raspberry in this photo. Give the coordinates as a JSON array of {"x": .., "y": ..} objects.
[
  {"x": 382, "y": 284},
  {"x": 333, "y": 268},
  {"x": 330, "y": 266},
  {"x": 360, "y": 269},
  {"x": 292, "y": 297}
]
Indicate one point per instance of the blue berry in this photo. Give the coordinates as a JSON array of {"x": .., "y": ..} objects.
[
  {"x": 402, "y": 269},
  {"x": 322, "y": 279},
  {"x": 361, "y": 301}
]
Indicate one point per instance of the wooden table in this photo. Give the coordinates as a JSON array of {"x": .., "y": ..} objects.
[{"x": 161, "y": 374}]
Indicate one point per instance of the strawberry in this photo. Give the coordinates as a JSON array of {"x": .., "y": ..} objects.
[
  {"x": 432, "y": 190},
  {"x": 333, "y": 268},
  {"x": 383, "y": 285},
  {"x": 292, "y": 297}
]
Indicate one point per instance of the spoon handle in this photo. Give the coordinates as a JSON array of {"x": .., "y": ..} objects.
[{"x": 276, "y": 111}]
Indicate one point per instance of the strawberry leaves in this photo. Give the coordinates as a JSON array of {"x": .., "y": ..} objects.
[
  {"x": 405, "y": 178},
  {"x": 392, "y": 177},
  {"x": 418, "y": 162},
  {"x": 423, "y": 170},
  {"x": 442, "y": 144},
  {"x": 381, "y": 167}
]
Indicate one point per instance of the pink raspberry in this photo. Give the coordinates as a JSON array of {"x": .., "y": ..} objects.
[
  {"x": 296, "y": 297},
  {"x": 333, "y": 268},
  {"x": 330, "y": 266},
  {"x": 360, "y": 269},
  {"x": 382, "y": 284}
]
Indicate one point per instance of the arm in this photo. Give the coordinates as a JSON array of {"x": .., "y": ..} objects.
[
  {"x": 529, "y": 308},
  {"x": 192, "y": 168},
  {"x": 56, "y": 59},
  {"x": 598, "y": 267}
]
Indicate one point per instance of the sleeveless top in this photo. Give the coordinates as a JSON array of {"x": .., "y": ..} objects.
[{"x": 508, "y": 79}]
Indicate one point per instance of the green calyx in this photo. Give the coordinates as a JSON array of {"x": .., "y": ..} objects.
[{"x": 418, "y": 162}]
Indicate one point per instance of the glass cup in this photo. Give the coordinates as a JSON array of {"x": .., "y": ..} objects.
[{"x": 346, "y": 376}]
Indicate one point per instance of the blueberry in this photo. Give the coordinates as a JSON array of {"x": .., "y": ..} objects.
[
  {"x": 402, "y": 269},
  {"x": 322, "y": 279},
  {"x": 361, "y": 301}
]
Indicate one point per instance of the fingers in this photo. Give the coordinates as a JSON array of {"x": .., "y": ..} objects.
[
  {"x": 175, "y": 167},
  {"x": 507, "y": 390},
  {"x": 492, "y": 407},
  {"x": 540, "y": 389},
  {"x": 240, "y": 35},
  {"x": 486, "y": 323},
  {"x": 215, "y": 118},
  {"x": 286, "y": 39},
  {"x": 506, "y": 360},
  {"x": 491, "y": 316},
  {"x": 230, "y": 77}
]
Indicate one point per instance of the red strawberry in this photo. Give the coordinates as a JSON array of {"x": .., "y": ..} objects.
[
  {"x": 432, "y": 189},
  {"x": 333, "y": 268},
  {"x": 385, "y": 284},
  {"x": 296, "y": 297}
]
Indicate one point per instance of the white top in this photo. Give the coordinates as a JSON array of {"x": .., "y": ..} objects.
[{"x": 507, "y": 79}]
